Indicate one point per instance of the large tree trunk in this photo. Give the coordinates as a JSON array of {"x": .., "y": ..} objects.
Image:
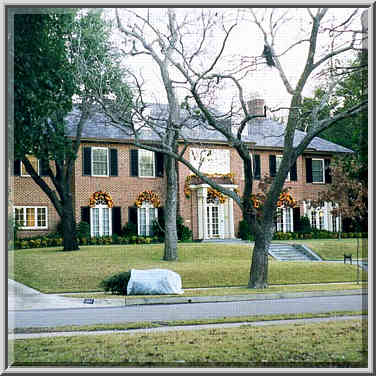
[
  {"x": 69, "y": 227},
  {"x": 171, "y": 238},
  {"x": 258, "y": 277}
]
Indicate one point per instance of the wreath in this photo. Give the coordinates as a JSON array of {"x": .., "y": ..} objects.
[
  {"x": 101, "y": 196},
  {"x": 285, "y": 199},
  {"x": 148, "y": 196}
]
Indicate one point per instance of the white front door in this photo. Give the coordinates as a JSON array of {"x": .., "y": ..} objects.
[{"x": 213, "y": 221}]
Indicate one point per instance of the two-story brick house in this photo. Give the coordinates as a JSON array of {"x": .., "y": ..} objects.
[{"x": 133, "y": 180}]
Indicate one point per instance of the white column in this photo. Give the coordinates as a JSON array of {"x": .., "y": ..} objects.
[
  {"x": 201, "y": 211},
  {"x": 221, "y": 219},
  {"x": 231, "y": 218}
]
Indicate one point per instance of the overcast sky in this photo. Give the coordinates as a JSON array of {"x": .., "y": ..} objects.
[{"x": 246, "y": 40}]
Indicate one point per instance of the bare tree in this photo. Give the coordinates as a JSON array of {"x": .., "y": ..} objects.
[{"x": 195, "y": 61}]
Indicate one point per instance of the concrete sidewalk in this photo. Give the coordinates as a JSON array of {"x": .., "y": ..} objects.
[{"x": 21, "y": 297}]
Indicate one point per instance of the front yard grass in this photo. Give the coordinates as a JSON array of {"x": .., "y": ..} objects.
[
  {"x": 326, "y": 344},
  {"x": 51, "y": 270}
]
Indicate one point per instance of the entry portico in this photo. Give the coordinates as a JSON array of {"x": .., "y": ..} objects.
[{"x": 215, "y": 217}]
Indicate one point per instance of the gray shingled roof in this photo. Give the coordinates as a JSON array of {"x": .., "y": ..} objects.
[{"x": 263, "y": 133}]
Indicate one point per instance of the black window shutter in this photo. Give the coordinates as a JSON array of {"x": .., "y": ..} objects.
[
  {"x": 296, "y": 219},
  {"x": 308, "y": 162},
  {"x": 272, "y": 165},
  {"x": 132, "y": 215},
  {"x": 134, "y": 162},
  {"x": 293, "y": 172},
  {"x": 256, "y": 167},
  {"x": 116, "y": 220},
  {"x": 113, "y": 162},
  {"x": 328, "y": 175},
  {"x": 159, "y": 164},
  {"x": 86, "y": 161},
  {"x": 44, "y": 165},
  {"x": 17, "y": 167},
  {"x": 85, "y": 214},
  {"x": 161, "y": 213}
]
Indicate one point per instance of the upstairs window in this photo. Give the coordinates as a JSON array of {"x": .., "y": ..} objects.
[
  {"x": 317, "y": 171},
  {"x": 146, "y": 164},
  {"x": 99, "y": 158},
  {"x": 99, "y": 161}
]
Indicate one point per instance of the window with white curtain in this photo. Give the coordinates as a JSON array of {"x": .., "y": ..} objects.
[
  {"x": 147, "y": 213},
  {"x": 100, "y": 221}
]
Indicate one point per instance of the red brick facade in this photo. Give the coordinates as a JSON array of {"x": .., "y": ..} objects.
[{"x": 124, "y": 188}]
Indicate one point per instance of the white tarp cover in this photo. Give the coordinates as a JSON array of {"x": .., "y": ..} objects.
[{"x": 154, "y": 282}]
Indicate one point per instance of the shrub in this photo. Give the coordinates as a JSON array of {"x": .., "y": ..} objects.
[
  {"x": 184, "y": 232},
  {"x": 158, "y": 228},
  {"x": 130, "y": 229},
  {"x": 147, "y": 240},
  {"x": 344, "y": 235},
  {"x": 83, "y": 230},
  {"x": 244, "y": 231},
  {"x": 304, "y": 225},
  {"x": 133, "y": 239},
  {"x": 115, "y": 239},
  {"x": 116, "y": 283}
]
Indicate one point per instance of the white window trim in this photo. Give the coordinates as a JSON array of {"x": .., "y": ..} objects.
[
  {"x": 27, "y": 175},
  {"x": 139, "y": 163},
  {"x": 101, "y": 220},
  {"x": 92, "y": 161},
  {"x": 145, "y": 205},
  {"x": 323, "y": 171},
  {"x": 281, "y": 156},
  {"x": 36, "y": 227}
]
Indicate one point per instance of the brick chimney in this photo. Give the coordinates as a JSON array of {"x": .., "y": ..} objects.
[{"x": 256, "y": 107}]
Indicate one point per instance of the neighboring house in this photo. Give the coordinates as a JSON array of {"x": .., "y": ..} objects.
[{"x": 116, "y": 183}]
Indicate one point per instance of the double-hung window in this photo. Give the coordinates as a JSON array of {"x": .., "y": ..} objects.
[
  {"x": 318, "y": 171},
  {"x": 29, "y": 217},
  {"x": 146, "y": 164},
  {"x": 99, "y": 158}
]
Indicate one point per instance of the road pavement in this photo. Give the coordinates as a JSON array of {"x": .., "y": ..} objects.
[{"x": 188, "y": 311}]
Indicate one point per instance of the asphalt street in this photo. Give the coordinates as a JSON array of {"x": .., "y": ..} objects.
[{"x": 169, "y": 312}]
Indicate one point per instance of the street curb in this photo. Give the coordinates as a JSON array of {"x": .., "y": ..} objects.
[{"x": 236, "y": 298}]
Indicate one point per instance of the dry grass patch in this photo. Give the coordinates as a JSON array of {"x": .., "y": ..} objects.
[{"x": 330, "y": 344}]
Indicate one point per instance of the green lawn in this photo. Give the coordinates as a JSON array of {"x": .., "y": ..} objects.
[
  {"x": 333, "y": 249},
  {"x": 329, "y": 344},
  {"x": 51, "y": 270}
]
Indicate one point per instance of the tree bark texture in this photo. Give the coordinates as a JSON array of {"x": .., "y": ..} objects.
[
  {"x": 258, "y": 277},
  {"x": 68, "y": 222},
  {"x": 171, "y": 238}
]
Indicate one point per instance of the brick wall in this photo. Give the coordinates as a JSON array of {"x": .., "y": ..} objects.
[{"x": 124, "y": 188}]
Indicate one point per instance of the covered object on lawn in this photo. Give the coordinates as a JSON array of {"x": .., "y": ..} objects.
[{"x": 154, "y": 282}]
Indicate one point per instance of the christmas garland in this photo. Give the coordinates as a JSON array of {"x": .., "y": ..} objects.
[
  {"x": 188, "y": 179},
  {"x": 148, "y": 196},
  {"x": 99, "y": 195},
  {"x": 214, "y": 194}
]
